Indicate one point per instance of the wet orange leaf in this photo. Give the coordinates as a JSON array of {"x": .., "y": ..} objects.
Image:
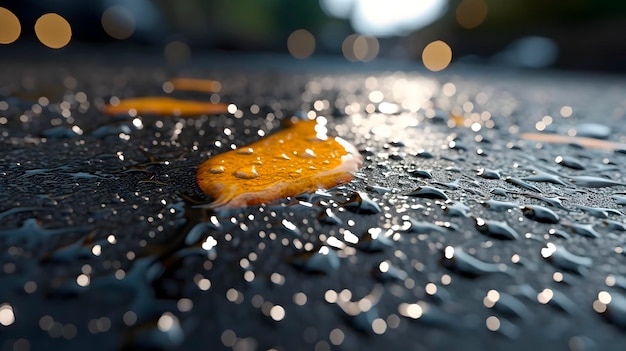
[
  {"x": 301, "y": 158},
  {"x": 166, "y": 106},
  {"x": 199, "y": 85}
]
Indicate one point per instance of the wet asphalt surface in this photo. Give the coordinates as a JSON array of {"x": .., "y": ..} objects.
[{"x": 458, "y": 233}]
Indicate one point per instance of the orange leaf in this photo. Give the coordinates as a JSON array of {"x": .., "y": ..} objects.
[
  {"x": 166, "y": 106},
  {"x": 199, "y": 85},
  {"x": 301, "y": 158}
]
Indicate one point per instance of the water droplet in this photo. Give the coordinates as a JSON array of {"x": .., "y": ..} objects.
[
  {"x": 540, "y": 214},
  {"x": 593, "y": 130},
  {"x": 457, "y": 209},
  {"x": 420, "y": 173},
  {"x": 502, "y": 326},
  {"x": 522, "y": 184},
  {"x": 249, "y": 172},
  {"x": 615, "y": 310},
  {"x": 614, "y": 225},
  {"x": 424, "y": 154},
  {"x": 558, "y": 300},
  {"x": 552, "y": 201},
  {"x": 583, "y": 229},
  {"x": 544, "y": 177},
  {"x": 287, "y": 227},
  {"x": 428, "y": 192},
  {"x": 327, "y": 216},
  {"x": 374, "y": 240},
  {"x": 453, "y": 185},
  {"x": 433, "y": 316},
  {"x": 594, "y": 182},
  {"x": 499, "y": 206},
  {"x": 499, "y": 191},
  {"x": 324, "y": 260},
  {"x": 245, "y": 151},
  {"x": 599, "y": 212},
  {"x": 620, "y": 200},
  {"x": 506, "y": 305},
  {"x": 359, "y": 202},
  {"x": 217, "y": 169},
  {"x": 377, "y": 189},
  {"x": 495, "y": 229},
  {"x": 60, "y": 132},
  {"x": 558, "y": 233},
  {"x": 563, "y": 259},
  {"x": 455, "y": 259},
  {"x": 569, "y": 162},
  {"x": 457, "y": 145},
  {"x": 488, "y": 173},
  {"x": 428, "y": 227},
  {"x": 385, "y": 271}
]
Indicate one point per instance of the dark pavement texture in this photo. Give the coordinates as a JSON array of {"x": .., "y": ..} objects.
[{"x": 458, "y": 233}]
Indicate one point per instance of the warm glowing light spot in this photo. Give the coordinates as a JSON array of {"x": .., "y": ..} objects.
[
  {"x": 610, "y": 280},
  {"x": 599, "y": 307},
  {"x": 7, "y": 317},
  {"x": 277, "y": 313},
  {"x": 437, "y": 55},
  {"x": 493, "y": 295},
  {"x": 336, "y": 336},
  {"x": 366, "y": 48},
  {"x": 566, "y": 111},
  {"x": 564, "y": 139},
  {"x": 492, "y": 323},
  {"x": 330, "y": 296},
  {"x": 82, "y": 280},
  {"x": 166, "y": 322},
  {"x": 165, "y": 106},
  {"x": 53, "y": 31},
  {"x": 238, "y": 179},
  {"x": 604, "y": 297},
  {"x": 471, "y": 13},
  {"x": 448, "y": 252},
  {"x": 299, "y": 299},
  {"x": 177, "y": 52},
  {"x": 301, "y": 43},
  {"x": 431, "y": 289},
  {"x": 10, "y": 27},
  {"x": 194, "y": 84},
  {"x": 379, "y": 326},
  {"x": 362, "y": 48},
  {"x": 413, "y": 310},
  {"x": 118, "y": 22},
  {"x": 545, "y": 296}
]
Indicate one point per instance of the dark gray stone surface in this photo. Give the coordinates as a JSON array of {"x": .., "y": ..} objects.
[{"x": 530, "y": 256}]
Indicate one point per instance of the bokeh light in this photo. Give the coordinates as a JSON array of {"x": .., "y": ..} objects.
[
  {"x": 437, "y": 55},
  {"x": 118, "y": 22},
  {"x": 53, "y": 31},
  {"x": 301, "y": 43},
  {"x": 10, "y": 27},
  {"x": 383, "y": 18},
  {"x": 471, "y": 13},
  {"x": 362, "y": 48},
  {"x": 177, "y": 52}
]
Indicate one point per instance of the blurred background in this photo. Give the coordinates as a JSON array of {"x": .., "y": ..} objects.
[{"x": 563, "y": 34}]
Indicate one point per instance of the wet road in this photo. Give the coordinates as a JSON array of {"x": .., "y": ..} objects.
[{"x": 488, "y": 214}]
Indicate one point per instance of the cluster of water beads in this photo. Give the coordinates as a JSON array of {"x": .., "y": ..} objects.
[{"x": 443, "y": 221}]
